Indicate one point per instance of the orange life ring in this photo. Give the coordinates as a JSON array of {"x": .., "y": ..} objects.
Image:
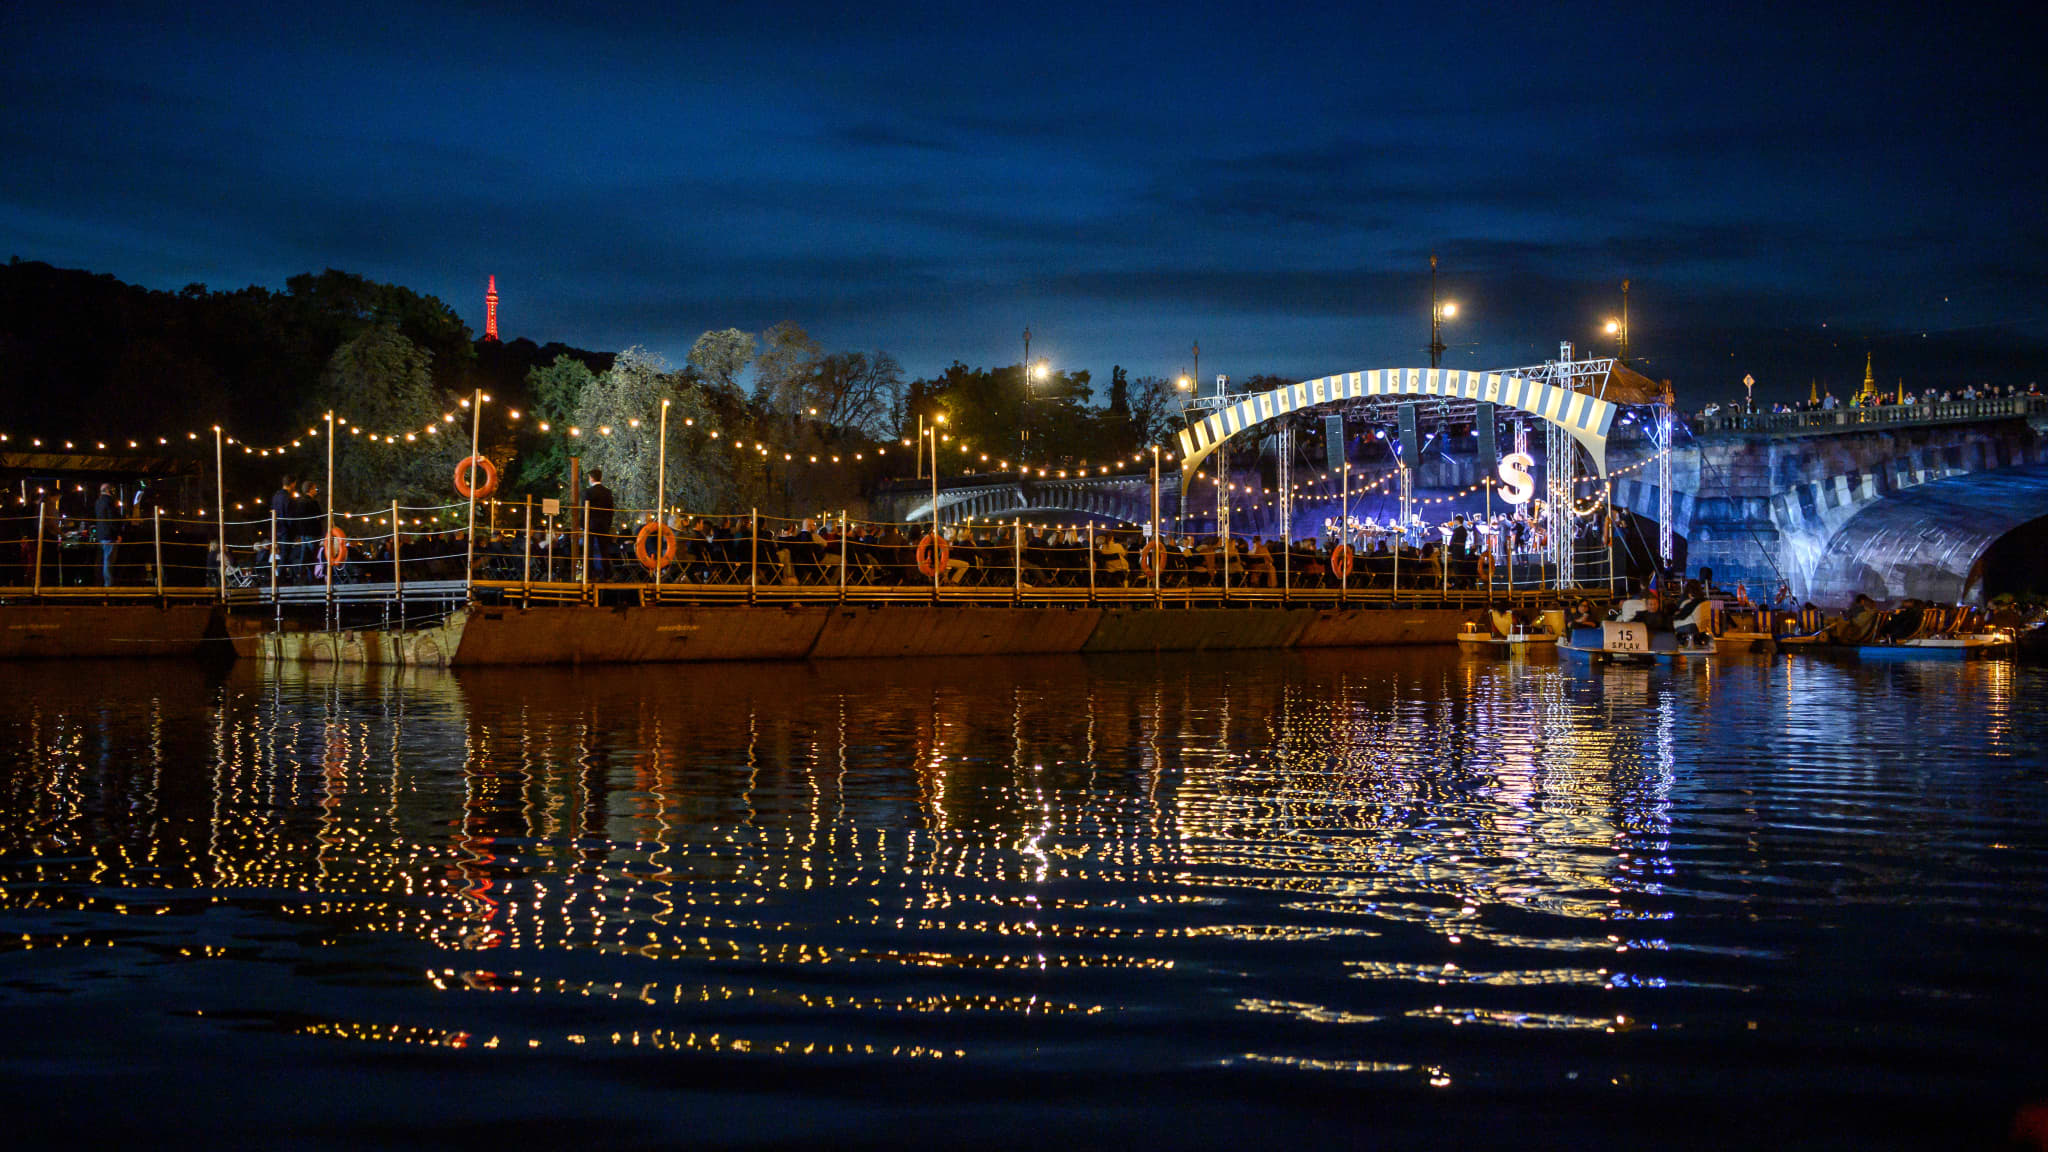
[
  {"x": 668, "y": 546},
  {"x": 467, "y": 469},
  {"x": 336, "y": 546},
  {"x": 1151, "y": 556},
  {"x": 1340, "y": 561},
  {"x": 926, "y": 548},
  {"x": 1486, "y": 565}
]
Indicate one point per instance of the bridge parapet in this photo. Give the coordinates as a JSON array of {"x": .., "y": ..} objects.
[{"x": 1870, "y": 419}]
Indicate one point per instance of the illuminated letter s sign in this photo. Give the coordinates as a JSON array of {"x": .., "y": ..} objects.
[{"x": 1514, "y": 474}]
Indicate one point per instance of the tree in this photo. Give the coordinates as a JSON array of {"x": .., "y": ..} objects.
[
  {"x": 344, "y": 304},
  {"x": 854, "y": 392},
  {"x": 1155, "y": 410},
  {"x": 788, "y": 357},
  {"x": 381, "y": 382},
  {"x": 719, "y": 357},
  {"x": 618, "y": 416},
  {"x": 557, "y": 389}
]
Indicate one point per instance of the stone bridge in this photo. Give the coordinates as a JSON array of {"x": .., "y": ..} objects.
[
  {"x": 1894, "y": 501},
  {"x": 1004, "y": 497}
]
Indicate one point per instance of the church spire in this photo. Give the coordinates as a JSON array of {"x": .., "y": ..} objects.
[{"x": 1869, "y": 393}]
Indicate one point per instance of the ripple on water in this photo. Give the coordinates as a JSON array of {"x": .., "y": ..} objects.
[{"x": 1425, "y": 870}]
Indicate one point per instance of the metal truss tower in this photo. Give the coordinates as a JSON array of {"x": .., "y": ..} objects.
[
  {"x": 1283, "y": 440},
  {"x": 1663, "y": 439}
]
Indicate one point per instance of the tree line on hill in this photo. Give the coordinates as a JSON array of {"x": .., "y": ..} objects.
[{"x": 774, "y": 421}]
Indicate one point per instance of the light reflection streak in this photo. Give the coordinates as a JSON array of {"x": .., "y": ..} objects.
[{"x": 1157, "y": 822}]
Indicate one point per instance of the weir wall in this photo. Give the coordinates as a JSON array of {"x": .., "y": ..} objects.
[
  {"x": 104, "y": 631},
  {"x": 584, "y": 635}
]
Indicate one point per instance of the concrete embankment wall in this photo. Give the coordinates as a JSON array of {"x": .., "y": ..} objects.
[
  {"x": 97, "y": 631},
  {"x": 580, "y": 635}
]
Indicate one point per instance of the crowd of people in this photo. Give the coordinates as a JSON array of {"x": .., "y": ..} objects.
[
  {"x": 1878, "y": 398},
  {"x": 714, "y": 550},
  {"x": 99, "y": 537}
]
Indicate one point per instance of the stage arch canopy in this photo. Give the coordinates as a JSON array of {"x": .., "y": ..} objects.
[{"x": 1581, "y": 409}]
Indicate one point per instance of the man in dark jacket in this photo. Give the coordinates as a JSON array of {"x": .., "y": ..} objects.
[
  {"x": 598, "y": 504},
  {"x": 308, "y": 520},
  {"x": 106, "y": 528}
]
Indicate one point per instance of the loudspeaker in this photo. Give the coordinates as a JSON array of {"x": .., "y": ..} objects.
[
  {"x": 1489, "y": 450},
  {"x": 1333, "y": 443},
  {"x": 1411, "y": 442}
]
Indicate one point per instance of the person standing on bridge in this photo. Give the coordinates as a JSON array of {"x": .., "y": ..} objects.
[
  {"x": 284, "y": 504},
  {"x": 599, "y": 505},
  {"x": 106, "y": 527},
  {"x": 309, "y": 518}
]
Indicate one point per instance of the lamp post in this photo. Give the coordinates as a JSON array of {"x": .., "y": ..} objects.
[
  {"x": 327, "y": 533},
  {"x": 1439, "y": 311},
  {"x": 661, "y": 495},
  {"x": 476, "y": 417},
  {"x": 1034, "y": 375},
  {"x": 220, "y": 514},
  {"x": 1618, "y": 328}
]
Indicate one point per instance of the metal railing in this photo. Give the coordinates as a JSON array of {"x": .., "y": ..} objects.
[
  {"x": 401, "y": 556},
  {"x": 1881, "y": 416}
]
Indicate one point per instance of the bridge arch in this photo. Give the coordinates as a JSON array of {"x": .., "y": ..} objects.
[
  {"x": 1119, "y": 498},
  {"x": 1586, "y": 417},
  {"x": 1929, "y": 541}
]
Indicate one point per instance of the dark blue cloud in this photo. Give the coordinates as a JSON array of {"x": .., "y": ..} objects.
[{"x": 1785, "y": 187}]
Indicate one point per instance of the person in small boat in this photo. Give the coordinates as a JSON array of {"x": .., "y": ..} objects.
[
  {"x": 1645, "y": 609},
  {"x": 1584, "y": 616},
  {"x": 1904, "y": 623},
  {"x": 1858, "y": 626},
  {"x": 1689, "y": 620}
]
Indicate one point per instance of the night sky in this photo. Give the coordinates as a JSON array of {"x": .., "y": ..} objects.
[{"x": 1785, "y": 188}]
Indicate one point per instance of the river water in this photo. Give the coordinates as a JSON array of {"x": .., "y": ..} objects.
[{"x": 1402, "y": 897}]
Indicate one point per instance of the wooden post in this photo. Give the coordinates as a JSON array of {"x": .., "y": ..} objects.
[
  {"x": 1017, "y": 560},
  {"x": 327, "y": 535},
  {"x": 42, "y": 509},
  {"x": 220, "y": 512},
  {"x": 842, "y": 553},
  {"x": 1158, "y": 546},
  {"x": 157, "y": 530},
  {"x": 476, "y": 422},
  {"x": 1344, "y": 524},
  {"x": 661, "y": 498},
  {"x": 397, "y": 573},
  {"x": 273, "y": 555},
  {"x": 1091, "y": 561},
  {"x": 526, "y": 557},
  {"x": 753, "y": 553},
  {"x": 1224, "y": 552},
  {"x": 584, "y": 576}
]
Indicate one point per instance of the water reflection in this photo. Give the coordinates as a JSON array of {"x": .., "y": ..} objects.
[{"x": 1331, "y": 862}]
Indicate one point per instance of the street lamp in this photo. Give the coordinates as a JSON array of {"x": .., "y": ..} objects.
[
  {"x": 1439, "y": 311},
  {"x": 1619, "y": 327}
]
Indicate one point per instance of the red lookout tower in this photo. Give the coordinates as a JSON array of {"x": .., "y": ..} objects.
[{"x": 491, "y": 312}]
